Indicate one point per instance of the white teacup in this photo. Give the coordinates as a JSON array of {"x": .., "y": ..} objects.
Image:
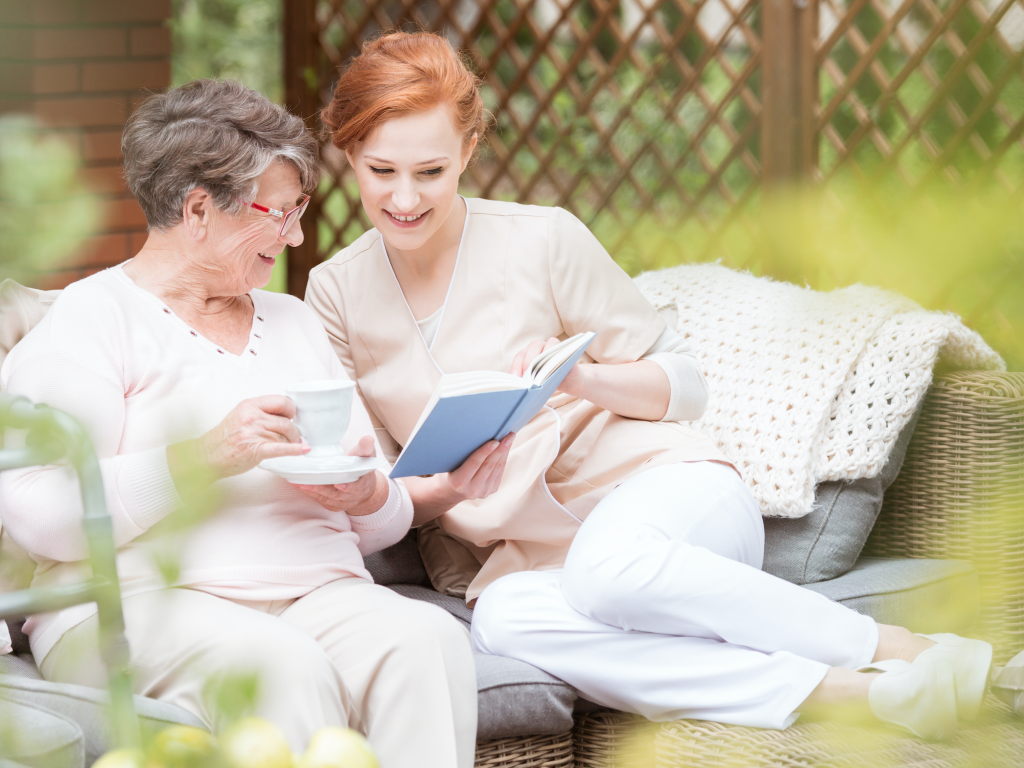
[{"x": 323, "y": 411}]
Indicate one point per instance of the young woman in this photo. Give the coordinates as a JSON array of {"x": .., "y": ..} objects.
[{"x": 621, "y": 551}]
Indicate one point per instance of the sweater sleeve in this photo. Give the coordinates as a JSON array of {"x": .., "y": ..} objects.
[
  {"x": 689, "y": 390},
  {"x": 388, "y": 524},
  {"x": 43, "y": 505}
]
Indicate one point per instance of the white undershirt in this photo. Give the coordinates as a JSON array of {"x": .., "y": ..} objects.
[{"x": 429, "y": 325}]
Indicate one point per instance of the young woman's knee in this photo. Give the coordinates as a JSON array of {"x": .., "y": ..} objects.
[{"x": 503, "y": 614}]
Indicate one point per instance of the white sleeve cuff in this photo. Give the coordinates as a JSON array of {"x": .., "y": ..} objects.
[
  {"x": 383, "y": 516},
  {"x": 5, "y": 639},
  {"x": 688, "y": 390},
  {"x": 147, "y": 487}
]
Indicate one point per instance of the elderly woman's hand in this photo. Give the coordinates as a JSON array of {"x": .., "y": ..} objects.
[
  {"x": 256, "y": 429},
  {"x": 360, "y": 497}
]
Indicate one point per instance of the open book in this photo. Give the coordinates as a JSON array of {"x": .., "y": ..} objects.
[{"x": 468, "y": 409}]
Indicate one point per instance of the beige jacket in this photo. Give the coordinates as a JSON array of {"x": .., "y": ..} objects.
[{"x": 523, "y": 273}]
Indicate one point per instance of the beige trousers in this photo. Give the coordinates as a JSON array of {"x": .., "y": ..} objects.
[{"x": 349, "y": 653}]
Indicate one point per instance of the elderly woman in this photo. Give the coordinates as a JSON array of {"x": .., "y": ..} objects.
[{"x": 174, "y": 362}]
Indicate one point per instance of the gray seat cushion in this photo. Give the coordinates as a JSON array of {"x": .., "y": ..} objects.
[
  {"x": 826, "y": 542},
  {"x": 513, "y": 698},
  {"x": 21, "y": 683},
  {"x": 921, "y": 595},
  {"x": 34, "y": 736},
  {"x": 398, "y": 564}
]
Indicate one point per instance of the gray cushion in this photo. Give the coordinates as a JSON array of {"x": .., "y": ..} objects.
[
  {"x": 826, "y": 542},
  {"x": 34, "y": 736},
  {"x": 398, "y": 564},
  {"x": 921, "y": 595},
  {"x": 455, "y": 606},
  {"x": 83, "y": 706},
  {"x": 513, "y": 697},
  {"x": 517, "y": 699}
]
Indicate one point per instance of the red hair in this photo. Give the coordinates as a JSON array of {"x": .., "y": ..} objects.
[{"x": 400, "y": 73}]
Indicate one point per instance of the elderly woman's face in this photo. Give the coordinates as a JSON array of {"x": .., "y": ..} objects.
[
  {"x": 408, "y": 172},
  {"x": 245, "y": 246}
]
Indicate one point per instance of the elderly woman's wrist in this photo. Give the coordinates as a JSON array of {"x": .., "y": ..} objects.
[{"x": 376, "y": 500}]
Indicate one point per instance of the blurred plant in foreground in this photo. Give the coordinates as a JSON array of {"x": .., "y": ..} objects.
[
  {"x": 953, "y": 249},
  {"x": 45, "y": 209}
]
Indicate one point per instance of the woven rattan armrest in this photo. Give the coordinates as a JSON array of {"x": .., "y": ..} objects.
[{"x": 960, "y": 494}]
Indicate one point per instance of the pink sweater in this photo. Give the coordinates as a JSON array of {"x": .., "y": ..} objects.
[{"x": 139, "y": 379}]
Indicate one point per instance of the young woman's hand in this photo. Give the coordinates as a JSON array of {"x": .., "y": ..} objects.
[
  {"x": 256, "y": 429},
  {"x": 478, "y": 477},
  {"x": 360, "y": 497},
  {"x": 480, "y": 474},
  {"x": 573, "y": 382}
]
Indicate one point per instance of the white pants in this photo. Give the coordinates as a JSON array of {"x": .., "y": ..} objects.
[
  {"x": 349, "y": 653},
  {"x": 662, "y": 609}
]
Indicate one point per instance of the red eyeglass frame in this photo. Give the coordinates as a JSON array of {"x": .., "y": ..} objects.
[{"x": 285, "y": 215}]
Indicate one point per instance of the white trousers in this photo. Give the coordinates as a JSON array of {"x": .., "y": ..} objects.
[
  {"x": 662, "y": 608},
  {"x": 349, "y": 653}
]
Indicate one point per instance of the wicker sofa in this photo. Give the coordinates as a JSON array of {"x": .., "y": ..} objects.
[{"x": 959, "y": 497}]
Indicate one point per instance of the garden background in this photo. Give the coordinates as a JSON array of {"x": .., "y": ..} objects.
[{"x": 824, "y": 142}]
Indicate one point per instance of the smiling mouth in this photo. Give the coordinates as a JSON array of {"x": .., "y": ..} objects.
[
  {"x": 406, "y": 219},
  {"x": 266, "y": 256}
]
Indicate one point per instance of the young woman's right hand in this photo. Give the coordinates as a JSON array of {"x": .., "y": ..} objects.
[
  {"x": 256, "y": 429},
  {"x": 478, "y": 477},
  {"x": 480, "y": 474}
]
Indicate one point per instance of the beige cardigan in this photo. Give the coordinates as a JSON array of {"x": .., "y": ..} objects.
[{"x": 523, "y": 273}]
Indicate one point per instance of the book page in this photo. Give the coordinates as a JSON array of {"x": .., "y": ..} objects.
[{"x": 547, "y": 363}]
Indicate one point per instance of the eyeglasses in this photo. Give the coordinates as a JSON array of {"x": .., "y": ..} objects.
[{"x": 288, "y": 216}]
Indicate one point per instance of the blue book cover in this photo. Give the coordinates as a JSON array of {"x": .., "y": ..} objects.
[{"x": 459, "y": 424}]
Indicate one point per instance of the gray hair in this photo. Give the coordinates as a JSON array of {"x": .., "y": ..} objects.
[{"x": 216, "y": 135}]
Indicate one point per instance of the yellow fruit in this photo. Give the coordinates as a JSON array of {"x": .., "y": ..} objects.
[
  {"x": 338, "y": 748},
  {"x": 121, "y": 758},
  {"x": 252, "y": 742},
  {"x": 181, "y": 746}
]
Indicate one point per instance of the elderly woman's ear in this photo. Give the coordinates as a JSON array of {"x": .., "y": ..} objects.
[{"x": 197, "y": 211}]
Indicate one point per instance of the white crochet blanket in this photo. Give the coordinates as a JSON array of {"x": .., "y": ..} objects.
[{"x": 806, "y": 386}]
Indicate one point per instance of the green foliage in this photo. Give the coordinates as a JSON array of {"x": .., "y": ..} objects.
[
  {"x": 232, "y": 695},
  {"x": 45, "y": 210},
  {"x": 231, "y": 39}
]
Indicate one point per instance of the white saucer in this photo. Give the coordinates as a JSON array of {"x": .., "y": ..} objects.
[{"x": 322, "y": 470}]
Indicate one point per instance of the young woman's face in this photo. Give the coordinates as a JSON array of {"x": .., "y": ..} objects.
[{"x": 408, "y": 172}]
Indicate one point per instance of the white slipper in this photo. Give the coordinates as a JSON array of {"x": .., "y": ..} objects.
[
  {"x": 920, "y": 698},
  {"x": 970, "y": 660}
]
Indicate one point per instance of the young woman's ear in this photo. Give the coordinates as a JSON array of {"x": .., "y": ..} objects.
[
  {"x": 467, "y": 152},
  {"x": 196, "y": 213}
]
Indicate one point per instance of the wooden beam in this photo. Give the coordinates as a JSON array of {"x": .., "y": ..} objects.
[
  {"x": 302, "y": 98},
  {"x": 789, "y": 90}
]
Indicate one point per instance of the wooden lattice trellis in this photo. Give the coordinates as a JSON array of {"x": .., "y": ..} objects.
[
  {"x": 660, "y": 122},
  {"x": 623, "y": 120}
]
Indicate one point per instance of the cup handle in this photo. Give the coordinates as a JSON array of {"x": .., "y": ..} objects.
[{"x": 285, "y": 394}]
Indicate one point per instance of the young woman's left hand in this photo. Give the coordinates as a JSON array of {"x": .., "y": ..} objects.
[
  {"x": 360, "y": 497},
  {"x": 571, "y": 384}
]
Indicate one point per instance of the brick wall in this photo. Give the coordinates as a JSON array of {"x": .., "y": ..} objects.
[{"x": 81, "y": 66}]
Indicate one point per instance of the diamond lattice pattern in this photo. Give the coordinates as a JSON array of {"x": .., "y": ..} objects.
[
  {"x": 922, "y": 90},
  {"x": 639, "y": 117}
]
